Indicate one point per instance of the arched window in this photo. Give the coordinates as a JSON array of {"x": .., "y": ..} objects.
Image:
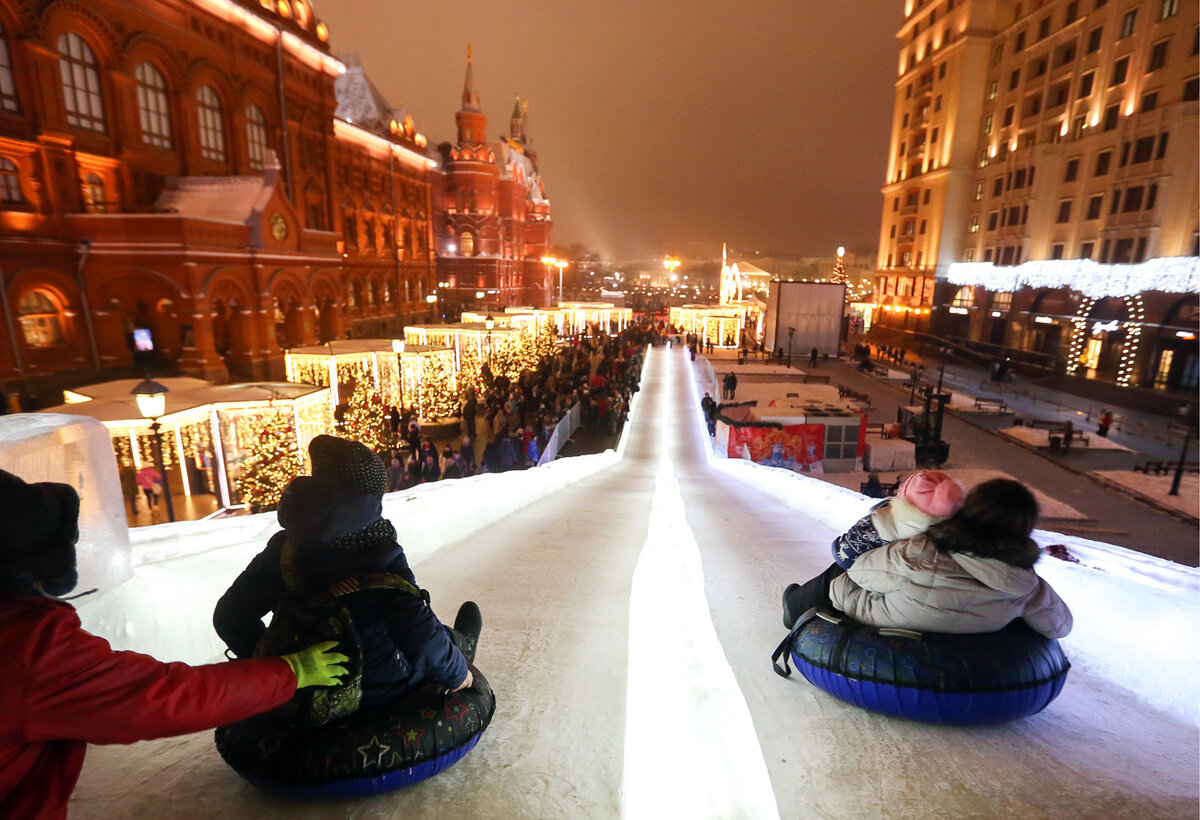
[
  {"x": 314, "y": 206},
  {"x": 39, "y": 314},
  {"x": 152, "y": 106},
  {"x": 80, "y": 83},
  {"x": 94, "y": 195},
  {"x": 372, "y": 294},
  {"x": 212, "y": 124},
  {"x": 10, "y": 183},
  {"x": 256, "y": 136},
  {"x": 965, "y": 297},
  {"x": 1002, "y": 301},
  {"x": 8, "y": 89},
  {"x": 466, "y": 244}
]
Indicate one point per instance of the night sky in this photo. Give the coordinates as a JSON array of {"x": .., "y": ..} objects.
[{"x": 761, "y": 124}]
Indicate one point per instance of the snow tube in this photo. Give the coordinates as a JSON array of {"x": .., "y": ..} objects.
[
  {"x": 374, "y": 750},
  {"x": 931, "y": 677}
]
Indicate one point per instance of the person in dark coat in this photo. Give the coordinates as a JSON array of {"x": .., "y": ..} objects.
[
  {"x": 812, "y": 357},
  {"x": 491, "y": 457},
  {"x": 334, "y": 520},
  {"x": 64, "y": 688},
  {"x": 431, "y": 470},
  {"x": 709, "y": 406}
]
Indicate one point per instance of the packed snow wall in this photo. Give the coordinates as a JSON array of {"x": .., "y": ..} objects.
[{"x": 75, "y": 450}]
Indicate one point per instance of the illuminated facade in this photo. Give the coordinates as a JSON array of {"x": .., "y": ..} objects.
[
  {"x": 493, "y": 218},
  {"x": 1057, "y": 139},
  {"x": 197, "y": 184}
]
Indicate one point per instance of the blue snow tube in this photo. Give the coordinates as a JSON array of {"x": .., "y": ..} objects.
[
  {"x": 374, "y": 750},
  {"x": 931, "y": 677}
]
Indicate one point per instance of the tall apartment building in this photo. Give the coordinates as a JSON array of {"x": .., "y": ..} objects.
[{"x": 1048, "y": 140}]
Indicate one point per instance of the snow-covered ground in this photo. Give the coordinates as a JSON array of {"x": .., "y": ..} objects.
[
  {"x": 1158, "y": 488},
  {"x": 629, "y": 618}
]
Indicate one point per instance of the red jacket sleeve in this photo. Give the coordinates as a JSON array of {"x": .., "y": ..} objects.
[{"x": 77, "y": 687}]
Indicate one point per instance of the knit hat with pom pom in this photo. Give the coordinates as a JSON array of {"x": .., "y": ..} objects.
[{"x": 933, "y": 492}]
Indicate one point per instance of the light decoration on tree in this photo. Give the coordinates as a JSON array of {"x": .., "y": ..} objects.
[
  {"x": 839, "y": 276},
  {"x": 1173, "y": 274},
  {"x": 271, "y": 462},
  {"x": 439, "y": 395},
  {"x": 364, "y": 417}
]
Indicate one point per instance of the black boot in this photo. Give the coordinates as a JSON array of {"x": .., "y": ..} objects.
[
  {"x": 468, "y": 624},
  {"x": 790, "y": 602}
]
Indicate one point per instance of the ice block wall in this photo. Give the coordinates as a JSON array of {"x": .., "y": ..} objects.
[{"x": 75, "y": 450}]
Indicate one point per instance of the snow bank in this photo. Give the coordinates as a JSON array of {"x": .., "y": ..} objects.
[
  {"x": 186, "y": 566},
  {"x": 75, "y": 450},
  {"x": 1137, "y": 618}
]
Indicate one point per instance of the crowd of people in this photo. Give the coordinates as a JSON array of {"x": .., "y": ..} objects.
[{"x": 597, "y": 372}]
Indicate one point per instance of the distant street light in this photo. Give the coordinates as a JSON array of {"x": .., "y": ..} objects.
[
  {"x": 560, "y": 264},
  {"x": 151, "y": 398},
  {"x": 549, "y": 261}
]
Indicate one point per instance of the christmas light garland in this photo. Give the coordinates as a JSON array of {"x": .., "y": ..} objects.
[{"x": 1175, "y": 274}]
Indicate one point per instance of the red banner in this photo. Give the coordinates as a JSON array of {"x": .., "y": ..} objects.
[{"x": 797, "y": 447}]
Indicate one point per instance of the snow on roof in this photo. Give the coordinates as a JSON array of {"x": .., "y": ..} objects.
[
  {"x": 218, "y": 198},
  {"x": 113, "y": 401},
  {"x": 359, "y": 101}
]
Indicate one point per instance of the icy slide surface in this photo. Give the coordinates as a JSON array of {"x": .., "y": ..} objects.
[{"x": 628, "y": 623}]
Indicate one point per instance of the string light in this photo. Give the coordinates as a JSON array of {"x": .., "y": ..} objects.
[{"x": 1175, "y": 274}]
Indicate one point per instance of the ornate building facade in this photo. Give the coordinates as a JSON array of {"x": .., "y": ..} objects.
[
  {"x": 492, "y": 218},
  {"x": 198, "y": 184},
  {"x": 1041, "y": 198}
]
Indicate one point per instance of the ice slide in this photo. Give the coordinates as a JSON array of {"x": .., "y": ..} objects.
[{"x": 628, "y": 621}]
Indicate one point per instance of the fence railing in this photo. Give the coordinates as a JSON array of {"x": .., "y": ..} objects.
[{"x": 563, "y": 431}]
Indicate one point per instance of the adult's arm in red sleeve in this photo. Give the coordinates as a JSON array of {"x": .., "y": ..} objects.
[{"x": 77, "y": 687}]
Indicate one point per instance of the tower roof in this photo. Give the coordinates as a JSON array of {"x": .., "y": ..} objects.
[
  {"x": 470, "y": 97},
  {"x": 518, "y": 112}
]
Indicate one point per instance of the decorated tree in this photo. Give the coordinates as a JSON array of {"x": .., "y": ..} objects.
[
  {"x": 272, "y": 462},
  {"x": 364, "y": 417},
  {"x": 439, "y": 397}
]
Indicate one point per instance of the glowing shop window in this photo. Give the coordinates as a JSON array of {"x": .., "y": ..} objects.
[
  {"x": 466, "y": 244},
  {"x": 1164, "y": 368},
  {"x": 1091, "y": 355},
  {"x": 39, "y": 317}
]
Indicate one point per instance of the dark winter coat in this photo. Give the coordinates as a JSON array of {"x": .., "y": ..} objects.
[
  {"x": 63, "y": 688},
  {"x": 404, "y": 644}
]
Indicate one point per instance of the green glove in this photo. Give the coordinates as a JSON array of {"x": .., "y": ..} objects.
[{"x": 317, "y": 665}]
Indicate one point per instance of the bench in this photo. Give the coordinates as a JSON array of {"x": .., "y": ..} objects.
[
  {"x": 880, "y": 371},
  {"x": 853, "y": 395},
  {"x": 991, "y": 405},
  {"x": 1161, "y": 467}
]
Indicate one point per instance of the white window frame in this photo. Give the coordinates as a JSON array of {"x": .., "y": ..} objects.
[
  {"x": 212, "y": 124},
  {"x": 153, "y": 109},
  {"x": 80, "y": 77}
]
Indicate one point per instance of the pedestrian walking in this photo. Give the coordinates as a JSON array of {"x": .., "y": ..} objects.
[
  {"x": 812, "y": 358},
  {"x": 1103, "y": 423},
  {"x": 149, "y": 479},
  {"x": 129, "y": 488}
]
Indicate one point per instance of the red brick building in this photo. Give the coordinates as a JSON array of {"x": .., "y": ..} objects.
[
  {"x": 492, "y": 218},
  {"x": 202, "y": 175}
]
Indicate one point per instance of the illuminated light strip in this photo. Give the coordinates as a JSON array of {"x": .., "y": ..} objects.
[
  {"x": 253, "y": 24},
  {"x": 352, "y": 133},
  {"x": 1172, "y": 274},
  {"x": 713, "y": 766}
]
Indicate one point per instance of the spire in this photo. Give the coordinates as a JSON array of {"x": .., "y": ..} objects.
[
  {"x": 470, "y": 97},
  {"x": 516, "y": 123}
]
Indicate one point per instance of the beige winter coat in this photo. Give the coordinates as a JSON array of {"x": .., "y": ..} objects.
[{"x": 912, "y": 585}]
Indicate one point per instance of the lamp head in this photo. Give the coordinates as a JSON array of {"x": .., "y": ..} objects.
[{"x": 151, "y": 398}]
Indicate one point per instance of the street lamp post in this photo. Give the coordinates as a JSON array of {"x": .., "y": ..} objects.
[
  {"x": 560, "y": 264},
  {"x": 548, "y": 261},
  {"x": 151, "y": 400},
  {"x": 1184, "y": 411},
  {"x": 791, "y": 334},
  {"x": 431, "y": 299}
]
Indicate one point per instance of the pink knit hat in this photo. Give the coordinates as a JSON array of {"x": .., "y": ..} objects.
[{"x": 933, "y": 492}]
